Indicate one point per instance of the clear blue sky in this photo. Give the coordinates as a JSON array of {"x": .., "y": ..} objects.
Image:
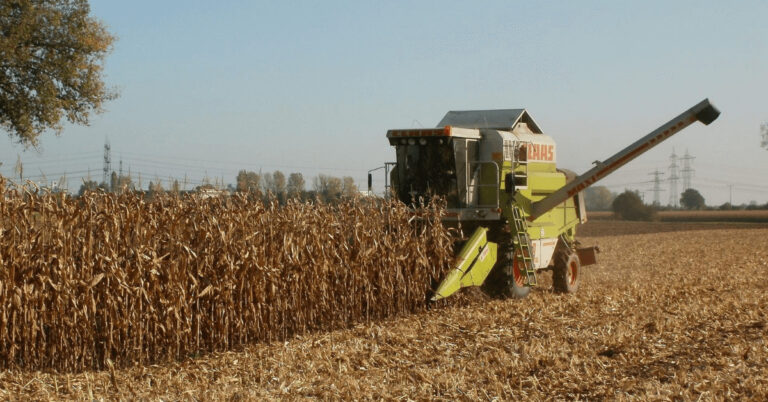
[{"x": 312, "y": 86}]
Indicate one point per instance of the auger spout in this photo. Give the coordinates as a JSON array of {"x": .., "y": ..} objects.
[{"x": 704, "y": 112}]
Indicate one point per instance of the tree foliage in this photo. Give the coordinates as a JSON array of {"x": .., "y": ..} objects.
[
  {"x": 275, "y": 184},
  {"x": 88, "y": 185},
  {"x": 155, "y": 188},
  {"x": 267, "y": 184},
  {"x": 295, "y": 186},
  {"x": 348, "y": 187},
  {"x": 692, "y": 199},
  {"x": 248, "y": 182},
  {"x": 329, "y": 188},
  {"x": 278, "y": 184},
  {"x": 51, "y": 54},
  {"x": 598, "y": 198},
  {"x": 629, "y": 206}
]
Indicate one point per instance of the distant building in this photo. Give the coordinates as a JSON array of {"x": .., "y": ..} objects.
[{"x": 208, "y": 191}]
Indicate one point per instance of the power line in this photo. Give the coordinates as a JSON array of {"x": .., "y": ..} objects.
[
  {"x": 240, "y": 164},
  {"x": 52, "y": 161}
]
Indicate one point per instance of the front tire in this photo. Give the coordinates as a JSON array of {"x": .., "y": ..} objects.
[
  {"x": 566, "y": 273},
  {"x": 515, "y": 279},
  {"x": 506, "y": 280}
]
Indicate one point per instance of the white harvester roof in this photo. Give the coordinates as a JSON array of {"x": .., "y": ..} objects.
[{"x": 499, "y": 119}]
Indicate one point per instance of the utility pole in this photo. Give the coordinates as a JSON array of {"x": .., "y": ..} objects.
[
  {"x": 687, "y": 170},
  {"x": 673, "y": 178},
  {"x": 656, "y": 186},
  {"x": 730, "y": 194}
]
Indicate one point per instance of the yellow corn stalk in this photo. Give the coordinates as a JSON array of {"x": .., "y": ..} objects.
[{"x": 122, "y": 278}]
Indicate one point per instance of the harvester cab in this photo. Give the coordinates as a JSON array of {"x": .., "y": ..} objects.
[{"x": 497, "y": 171}]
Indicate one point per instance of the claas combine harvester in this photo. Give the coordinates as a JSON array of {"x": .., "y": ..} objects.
[{"x": 497, "y": 171}]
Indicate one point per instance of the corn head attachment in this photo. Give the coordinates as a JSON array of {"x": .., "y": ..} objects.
[{"x": 473, "y": 264}]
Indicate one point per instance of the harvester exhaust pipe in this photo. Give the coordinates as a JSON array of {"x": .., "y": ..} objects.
[{"x": 704, "y": 112}]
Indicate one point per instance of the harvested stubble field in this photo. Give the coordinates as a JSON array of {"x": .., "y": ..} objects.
[
  {"x": 742, "y": 216},
  {"x": 673, "y": 315},
  {"x": 604, "y": 222}
]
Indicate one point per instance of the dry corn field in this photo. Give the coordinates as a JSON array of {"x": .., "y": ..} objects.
[
  {"x": 673, "y": 315},
  {"x": 116, "y": 280}
]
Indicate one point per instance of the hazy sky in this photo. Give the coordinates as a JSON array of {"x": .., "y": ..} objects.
[{"x": 208, "y": 88}]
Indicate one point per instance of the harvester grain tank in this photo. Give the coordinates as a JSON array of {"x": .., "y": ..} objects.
[{"x": 497, "y": 171}]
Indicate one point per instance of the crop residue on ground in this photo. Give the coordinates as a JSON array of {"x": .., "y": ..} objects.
[{"x": 677, "y": 315}]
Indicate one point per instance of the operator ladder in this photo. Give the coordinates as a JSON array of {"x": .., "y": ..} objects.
[{"x": 523, "y": 247}]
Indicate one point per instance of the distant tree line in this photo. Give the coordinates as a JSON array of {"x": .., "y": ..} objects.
[
  {"x": 117, "y": 184},
  {"x": 325, "y": 188},
  {"x": 270, "y": 185},
  {"x": 630, "y": 206},
  {"x": 275, "y": 185}
]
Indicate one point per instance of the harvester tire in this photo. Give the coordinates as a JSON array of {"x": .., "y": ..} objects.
[
  {"x": 501, "y": 280},
  {"x": 566, "y": 273},
  {"x": 515, "y": 280}
]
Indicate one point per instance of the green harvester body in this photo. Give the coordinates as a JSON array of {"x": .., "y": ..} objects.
[{"x": 497, "y": 171}]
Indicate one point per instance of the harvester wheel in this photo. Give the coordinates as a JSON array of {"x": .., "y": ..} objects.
[
  {"x": 566, "y": 274},
  {"x": 505, "y": 280},
  {"x": 515, "y": 279}
]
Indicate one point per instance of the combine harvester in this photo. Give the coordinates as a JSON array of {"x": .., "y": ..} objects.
[{"x": 497, "y": 172}]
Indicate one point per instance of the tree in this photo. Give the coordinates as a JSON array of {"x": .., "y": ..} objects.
[
  {"x": 295, "y": 185},
  {"x": 248, "y": 182},
  {"x": 348, "y": 187},
  {"x": 88, "y": 185},
  {"x": 328, "y": 187},
  {"x": 51, "y": 54},
  {"x": 266, "y": 182},
  {"x": 279, "y": 185},
  {"x": 124, "y": 183},
  {"x": 692, "y": 199},
  {"x": 155, "y": 188},
  {"x": 629, "y": 206},
  {"x": 278, "y": 182},
  {"x": 598, "y": 198}
]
